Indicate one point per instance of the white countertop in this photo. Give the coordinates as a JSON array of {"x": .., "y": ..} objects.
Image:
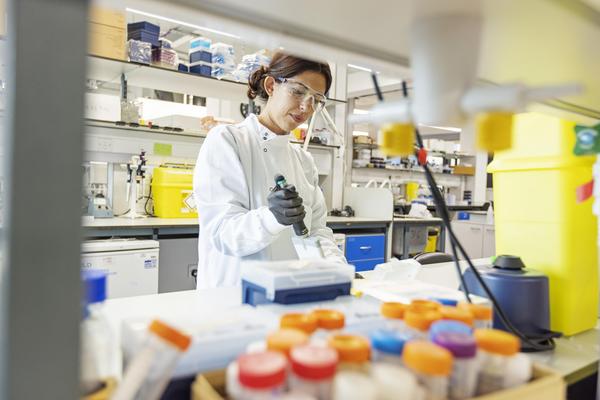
[
  {"x": 165, "y": 222},
  {"x": 422, "y": 220}
]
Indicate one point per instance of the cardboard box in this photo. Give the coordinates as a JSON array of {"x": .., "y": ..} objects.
[
  {"x": 107, "y": 16},
  {"x": 546, "y": 384},
  {"x": 463, "y": 170},
  {"x": 107, "y": 41}
]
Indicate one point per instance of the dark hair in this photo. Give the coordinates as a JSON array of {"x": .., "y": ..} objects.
[{"x": 284, "y": 66}]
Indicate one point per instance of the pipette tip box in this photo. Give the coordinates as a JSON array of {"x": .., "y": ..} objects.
[{"x": 296, "y": 281}]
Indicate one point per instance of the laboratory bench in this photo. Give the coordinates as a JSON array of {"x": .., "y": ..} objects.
[{"x": 575, "y": 358}]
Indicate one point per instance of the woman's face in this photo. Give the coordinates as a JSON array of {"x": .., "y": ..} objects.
[{"x": 284, "y": 107}]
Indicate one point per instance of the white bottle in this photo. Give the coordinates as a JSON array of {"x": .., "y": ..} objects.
[
  {"x": 352, "y": 385},
  {"x": 463, "y": 380},
  {"x": 431, "y": 364},
  {"x": 312, "y": 370},
  {"x": 261, "y": 376},
  {"x": 98, "y": 344},
  {"x": 496, "y": 351},
  {"x": 394, "y": 382}
]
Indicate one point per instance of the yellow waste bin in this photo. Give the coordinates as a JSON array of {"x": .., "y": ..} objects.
[
  {"x": 172, "y": 186},
  {"x": 538, "y": 218}
]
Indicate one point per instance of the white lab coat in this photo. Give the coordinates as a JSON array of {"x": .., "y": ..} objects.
[{"x": 234, "y": 174}]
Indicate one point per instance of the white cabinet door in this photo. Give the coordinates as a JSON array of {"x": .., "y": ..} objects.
[
  {"x": 489, "y": 241},
  {"x": 470, "y": 236}
]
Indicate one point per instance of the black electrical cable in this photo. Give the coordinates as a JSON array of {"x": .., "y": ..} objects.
[
  {"x": 442, "y": 210},
  {"x": 377, "y": 88}
]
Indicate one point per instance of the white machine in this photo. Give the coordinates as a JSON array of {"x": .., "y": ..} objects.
[{"x": 132, "y": 265}]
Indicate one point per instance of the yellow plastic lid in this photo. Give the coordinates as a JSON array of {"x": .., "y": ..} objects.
[
  {"x": 424, "y": 305},
  {"x": 393, "y": 310},
  {"x": 497, "y": 342},
  {"x": 457, "y": 314},
  {"x": 304, "y": 322},
  {"x": 479, "y": 311},
  {"x": 427, "y": 358},
  {"x": 284, "y": 340},
  {"x": 329, "y": 319},
  {"x": 170, "y": 334},
  {"x": 421, "y": 319},
  {"x": 350, "y": 348}
]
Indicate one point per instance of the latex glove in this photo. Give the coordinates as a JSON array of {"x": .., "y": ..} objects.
[{"x": 286, "y": 205}]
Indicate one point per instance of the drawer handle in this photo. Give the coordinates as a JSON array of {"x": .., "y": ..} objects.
[
  {"x": 365, "y": 248},
  {"x": 475, "y": 228}
]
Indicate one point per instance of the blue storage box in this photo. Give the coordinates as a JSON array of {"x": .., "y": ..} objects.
[
  {"x": 144, "y": 26},
  {"x": 201, "y": 55},
  {"x": 201, "y": 69},
  {"x": 365, "y": 247},
  {"x": 183, "y": 67},
  {"x": 200, "y": 43},
  {"x": 295, "y": 281},
  {"x": 144, "y": 36}
]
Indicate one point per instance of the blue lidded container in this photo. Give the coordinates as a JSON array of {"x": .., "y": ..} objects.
[
  {"x": 449, "y": 326},
  {"x": 94, "y": 287},
  {"x": 388, "y": 341},
  {"x": 144, "y": 26}
]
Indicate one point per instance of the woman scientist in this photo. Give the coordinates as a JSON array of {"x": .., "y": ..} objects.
[{"x": 240, "y": 216}]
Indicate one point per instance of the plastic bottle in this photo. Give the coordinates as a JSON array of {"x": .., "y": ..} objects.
[
  {"x": 261, "y": 376},
  {"x": 354, "y": 352},
  {"x": 304, "y": 322},
  {"x": 432, "y": 364},
  {"x": 149, "y": 372},
  {"x": 98, "y": 343},
  {"x": 520, "y": 370},
  {"x": 394, "y": 312},
  {"x": 445, "y": 302},
  {"x": 419, "y": 320},
  {"x": 284, "y": 339},
  {"x": 387, "y": 345},
  {"x": 482, "y": 313},
  {"x": 328, "y": 322},
  {"x": 423, "y": 304},
  {"x": 496, "y": 349},
  {"x": 313, "y": 370},
  {"x": 457, "y": 314},
  {"x": 394, "y": 382},
  {"x": 352, "y": 385},
  {"x": 449, "y": 326},
  {"x": 463, "y": 380}
]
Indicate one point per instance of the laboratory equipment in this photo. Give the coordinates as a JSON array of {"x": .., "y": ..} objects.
[
  {"x": 496, "y": 349},
  {"x": 149, "y": 372},
  {"x": 448, "y": 326},
  {"x": 352, "y": 385},
  {"x": 131, "y": 265},
  {"x": 418, "y": 321},
  {"x": 312, "y": 370},
  {"x": 172, "y": 191},
  {"x": 300, "y": 228},
  {"x": 483, "y": 314},
  {"x": 521, "y": 292},
  {"x": 354, "y": 351},
  {"x": 285, "y": 339},
  {"x": 463, "y": 380},
  {"x": 304, "y": 322},
  {"x": 329, "y": 320},
  {"x": 261, "y": 376},
  {"x": 98, "y": 343},
  {"x": 432, "y": 364},
  {"x": 457, "y": 314},
  {"x": 136, "y": 173},
  {"x": 296, "y": 281},
  {"x": 394, "y": 382},
  {"x": 98, "y": 189},
  {"x": 394, "y": 313},
  {"x": 144, "y": 32},
  {"x": 387, "y": 345},
  {"x": 548, "y": 228},
  {"x": 365, "y": 251}
]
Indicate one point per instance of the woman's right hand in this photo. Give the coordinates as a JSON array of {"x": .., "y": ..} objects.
[{"x": 286, "y": 205}]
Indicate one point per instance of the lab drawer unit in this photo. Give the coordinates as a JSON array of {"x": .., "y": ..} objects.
[{"x": 365, "y": 251}]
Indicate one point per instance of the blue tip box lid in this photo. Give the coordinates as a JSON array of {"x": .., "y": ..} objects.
[
  {"x": 145, "y": 26},
  {"x": 94, "y": 283}
]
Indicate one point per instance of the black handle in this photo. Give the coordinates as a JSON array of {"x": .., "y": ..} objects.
[{"x": 300, "y": 228}]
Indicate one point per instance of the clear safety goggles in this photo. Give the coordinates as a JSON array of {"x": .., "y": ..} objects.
[{"x": 303, "y": 93}]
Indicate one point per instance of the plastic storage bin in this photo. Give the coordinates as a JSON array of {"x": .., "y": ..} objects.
[
  {"x": 546, "y": 226},
  {"x": 172, "y": 192},
  {"x": 365, "y": 251}
]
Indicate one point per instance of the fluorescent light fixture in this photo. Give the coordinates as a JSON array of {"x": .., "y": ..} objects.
[
  {"x": 358, "y": 67},
  {"x": 446, "y": 128},
  {"x": 359, "y": 111},
  {"x": 175, "y": 21},
  {"x": 360, "y": 133}
]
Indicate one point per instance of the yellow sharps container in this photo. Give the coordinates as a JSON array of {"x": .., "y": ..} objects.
[
  {"x": 172, "y": 186},
  {"x": 538, "y": 218}
]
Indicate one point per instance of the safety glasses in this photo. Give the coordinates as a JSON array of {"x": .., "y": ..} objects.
[{"x": 303, "y": 93}]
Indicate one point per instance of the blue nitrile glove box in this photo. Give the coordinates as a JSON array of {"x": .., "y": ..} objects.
[
  {"x": 294, "y": 281},
  {"x": 201, "y": 68},
  {"x": 144, "y": 36},
  {"x": 144, "y": 26},
  {"x": 200, "y": 55}
]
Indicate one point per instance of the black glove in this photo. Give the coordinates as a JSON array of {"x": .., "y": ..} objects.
[{"x": 286, "y": 205}]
